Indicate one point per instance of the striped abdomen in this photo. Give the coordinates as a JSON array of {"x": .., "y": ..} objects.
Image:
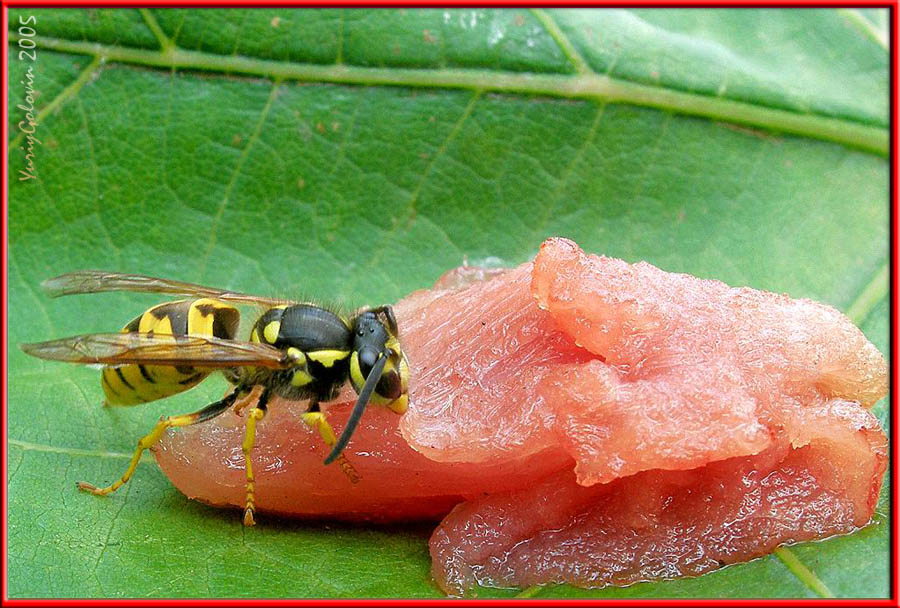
[{"x": 133, "y": 384}]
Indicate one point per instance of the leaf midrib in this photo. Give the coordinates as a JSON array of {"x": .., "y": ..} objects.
[{"x": 582, "y": 85}]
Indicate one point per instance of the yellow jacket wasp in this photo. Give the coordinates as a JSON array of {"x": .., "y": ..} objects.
[{"x": 296, "y": 351}]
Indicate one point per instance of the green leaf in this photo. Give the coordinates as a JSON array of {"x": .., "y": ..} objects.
[{"x": 357, "y": 155}]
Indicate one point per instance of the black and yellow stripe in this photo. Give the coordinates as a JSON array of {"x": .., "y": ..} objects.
[{"x": 136, "y": 383}]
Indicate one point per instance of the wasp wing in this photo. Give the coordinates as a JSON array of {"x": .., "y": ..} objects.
[
  {"x": 159, "y": 349},
  {"x": 97, "y": 281}
]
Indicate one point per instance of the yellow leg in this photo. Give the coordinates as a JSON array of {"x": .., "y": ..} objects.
[
  {"x": 253, "y": 416},
  {"x": 150, "y": 439},
  {"x": 317, "y": 421}
]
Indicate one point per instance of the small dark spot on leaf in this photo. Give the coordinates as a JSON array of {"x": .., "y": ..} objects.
[
  {"x": 275, "y": 21},
  {"x": 320, "y": 127},
  {"x": 750, "y": 131},
  {"x": 519, "y": 19},
  {"x": 428, "y": 36},
  {"x": 236, "y": 140},
  {"x": 301, "y": 183}
]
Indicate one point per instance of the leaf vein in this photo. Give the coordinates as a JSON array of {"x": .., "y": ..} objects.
[
  {"x": 555, "y": 196},
  {"x": 69, "y": 92},
  {"x": 865, "y": 26},
  {"x": 234, "y": 175},
  {"x": 112, "y": 525},
  {"x": 92, "y": 157},
  {"x": 566, "y": 46},
  {"x": 873, "y": 139},
  {"x": 799, "y": 569},
  {"x": 12, "y": 474},
  {"x": 440, "y": 153},
  {"x": 871, "y": 294},
  {"x": 52, "y": 449},
  {"x": 340, "y": 51},
  {"x": 164, "y": 43},
  {"x": 411, "y": 208},
  {"x": 39, "y": 301}
]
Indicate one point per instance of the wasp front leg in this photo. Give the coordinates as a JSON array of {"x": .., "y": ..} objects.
[{"x": 316, "y": 420}]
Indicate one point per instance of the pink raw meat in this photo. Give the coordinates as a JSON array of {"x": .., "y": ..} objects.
[
  {"x": 705, "y": 424},
  {"x": 397, "y": 483},
  {"x": 665, "y": 524}
]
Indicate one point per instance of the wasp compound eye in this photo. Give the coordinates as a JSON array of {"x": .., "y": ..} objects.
[{"x": 390, "y": 385}]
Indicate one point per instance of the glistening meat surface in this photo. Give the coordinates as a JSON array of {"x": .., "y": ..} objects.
[{"x": 600, "y": 422}]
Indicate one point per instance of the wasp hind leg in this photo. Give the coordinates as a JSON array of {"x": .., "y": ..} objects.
[
  {"x": 254, "y": 415},
  {"x": 315, "y": 419},
  {"x": 149, "y": 440}
]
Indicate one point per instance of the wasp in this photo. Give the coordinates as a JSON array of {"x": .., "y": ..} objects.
[{"x": 296, "y": 351}]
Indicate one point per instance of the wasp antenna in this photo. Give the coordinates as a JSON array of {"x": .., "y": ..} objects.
[{"x": 356, "y": 414}]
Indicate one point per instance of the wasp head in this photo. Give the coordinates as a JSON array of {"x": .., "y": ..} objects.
[{"x": 375, "y": 336}]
